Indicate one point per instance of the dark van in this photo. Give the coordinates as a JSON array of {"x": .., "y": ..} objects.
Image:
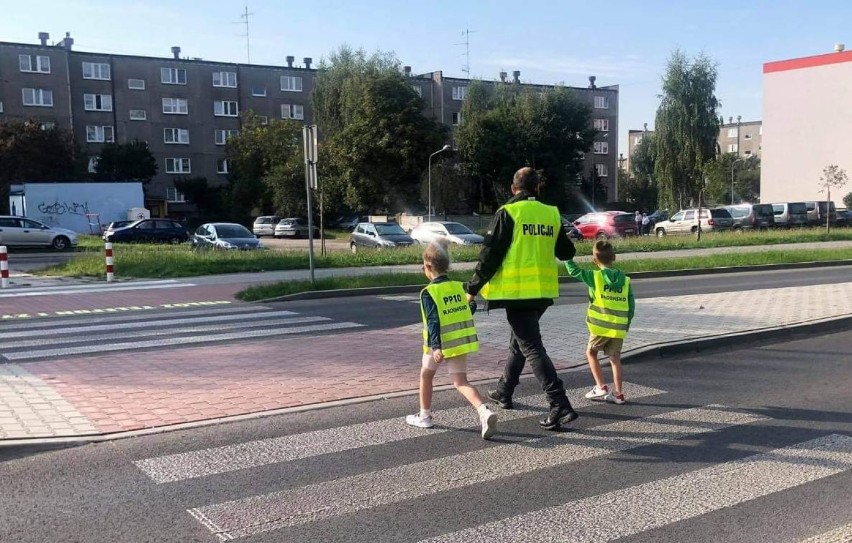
[
  {"x": 817, "y": 212},
  {"x": 790, "y": 214},
  {"x": 751, "y": 216}
]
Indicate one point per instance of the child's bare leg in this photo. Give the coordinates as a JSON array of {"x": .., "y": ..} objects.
[
  {"x": 615, "y": 362},
  {"x": 466, "y": 389},
  {"x": 426, "y": 378},
  {"x": 595, "y": 366}
]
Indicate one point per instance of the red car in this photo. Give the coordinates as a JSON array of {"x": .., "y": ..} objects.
[{"x": 606, "y": 224}]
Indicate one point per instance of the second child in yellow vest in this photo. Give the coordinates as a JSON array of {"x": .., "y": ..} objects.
[
  {"x": 449, "y": 335},
  {"x": 610, "y": 312}
]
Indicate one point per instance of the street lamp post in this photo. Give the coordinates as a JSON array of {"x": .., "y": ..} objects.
[
  {"x": 732, "y": 178},
  {"x": 441, "y": 150}
]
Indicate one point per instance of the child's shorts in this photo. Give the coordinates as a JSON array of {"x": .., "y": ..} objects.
[
  {"x": 610, "y": 345},
  {"x": 456, "y": 364}
]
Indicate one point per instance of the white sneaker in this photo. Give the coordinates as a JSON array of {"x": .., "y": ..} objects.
[
  {"x": 489, "y": 423},
  {"x": 615, "y": 397},
  {"x": 416, "y": 420},
  {"x": 597, "y": 393}
]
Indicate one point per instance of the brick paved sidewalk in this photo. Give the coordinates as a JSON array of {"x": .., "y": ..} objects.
[{"x": 120, "y": 392}]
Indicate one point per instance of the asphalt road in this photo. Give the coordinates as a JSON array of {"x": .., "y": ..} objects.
[{"x": 737, "y": 446}]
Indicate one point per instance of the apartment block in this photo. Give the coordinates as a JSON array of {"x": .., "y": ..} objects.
[{"x": 187, "y": 108}]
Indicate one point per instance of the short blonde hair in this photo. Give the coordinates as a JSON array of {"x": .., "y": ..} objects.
[
  {"x": 437, "y": 255},
  {"x": 604, "y": 252}
]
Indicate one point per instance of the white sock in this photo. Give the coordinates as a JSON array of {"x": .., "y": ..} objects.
[
  {"x": 425, "y": 413},
  {"x": 482, "y": 409}
]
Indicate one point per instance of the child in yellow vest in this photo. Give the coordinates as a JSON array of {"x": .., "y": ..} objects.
[
  {"x": 611, "y": 309},
  {"x": 448, "y": 336}
]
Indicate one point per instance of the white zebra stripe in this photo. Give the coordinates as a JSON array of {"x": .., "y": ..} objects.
[
  {"x": 258, "y": 514},
  {"x": 202, "y": 463},
  {"x": 651, "y": 505}
]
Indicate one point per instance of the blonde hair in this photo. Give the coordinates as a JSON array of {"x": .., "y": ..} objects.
[
  {"x": 604, "y": 252},
  {"x": 437, "y": 255}
]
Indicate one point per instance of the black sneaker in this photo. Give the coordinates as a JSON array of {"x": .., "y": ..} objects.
[
  {"x": 557, "y": 417},
  {"x": 502, "y": 401}
]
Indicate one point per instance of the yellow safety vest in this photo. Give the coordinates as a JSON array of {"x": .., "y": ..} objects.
[
  {"x": 458, "y": 334},
  {"x": 609, "y": 309},
  {"x": 528, "y": 271}
]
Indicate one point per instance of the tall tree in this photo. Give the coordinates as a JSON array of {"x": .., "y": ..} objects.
[
  {"x": 29, "y": 152},
  {"x": 642, "y": 163},
  {"x": 131, "y": 161},
  {"x": 833, "y": 177},
  {"x": 376, "y": 141},
  {"x": 686, "y": 129},
  {"x": 510, "y": 126},
  {"x": 727, "y": 168},
  {"x": 267, "y": 174}
]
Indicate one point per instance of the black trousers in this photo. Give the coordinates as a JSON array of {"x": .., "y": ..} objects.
[{"x": 525, "y": 345}]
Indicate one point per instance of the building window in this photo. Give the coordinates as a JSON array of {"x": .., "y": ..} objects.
[
  {"x": 173, "y": 76},
  {"x": 732, "y": 132},
  {"x": 747, "y": 153},
  {"x": 47, "y": 125},
  {"x": 601, "y": 147},
  {"x": 224, "y": 108},
  {"x": 292, "y": 111},
  {"x": 602, "y": 170},
  {"x": 637, "y": 141},
  {"x": 264, "y": 120},
  {"x": 96, "y": 70},
  {"x": 222, "y": 136},
  {"x": 746, "y": 136},
  {"x": 1, "y": 107},
  {"x": 459, "y": 93},
  {"x": 97, "y": 102},
  {"x": 760, "y": 130},
  {"x": 222, "y": 165},
  {"x": 178, "y": 165},
  {"x": 175, "y": 106},
  {"x": 34, "y": 63},
  {"x": 136, "y": 84},
  {"x": 258, "y": 91},
  {"x": 291, "y": 83},
  {"x": 173, "y": 195},
  {"x": 100, "y": 134},
  {"x": 176, "y": 135},
  {"x": 457, "y": 118},
  {"x": 602, "y": 125},
  {"x": 138, "y": 115},
  {"x": 601, "y": 102},
  {"x": 733, "y": 148},
  {"x": 418, "y": 90},
  {"x": 225, "y": 79},
  {"x": 38, "y": 97}
]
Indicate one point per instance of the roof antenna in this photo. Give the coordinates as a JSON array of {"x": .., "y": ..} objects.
[
  {"x": 245, "y": 21},
  {"x": 466, "y": 34}
]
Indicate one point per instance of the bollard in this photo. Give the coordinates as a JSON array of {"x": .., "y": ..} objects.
[
  {"x": 109, "y": 270},
  {"x": 4, "y": 267}
]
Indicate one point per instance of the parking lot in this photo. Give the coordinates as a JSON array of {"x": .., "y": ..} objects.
[{"x": 340, "y": 243}]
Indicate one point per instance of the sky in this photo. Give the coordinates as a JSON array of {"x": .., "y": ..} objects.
[{"x": 621, "y": 42}]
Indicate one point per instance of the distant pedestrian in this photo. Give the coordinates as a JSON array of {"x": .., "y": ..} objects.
[
  {"x": 449, "y": 335},
  {"x": 637, "y": 218},
  {"x": 646, "y": 224},
  {"x": 516, "y": 271},
  {"x": 610, "y": 312}
]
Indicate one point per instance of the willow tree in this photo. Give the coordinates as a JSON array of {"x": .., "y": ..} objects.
[{"x": 686, "y": 128}]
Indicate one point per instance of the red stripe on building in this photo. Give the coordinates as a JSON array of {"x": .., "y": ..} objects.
[{"x": 807, "y": 62}]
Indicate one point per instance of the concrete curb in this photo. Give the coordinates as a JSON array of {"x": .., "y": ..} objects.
[
  {"x": 648, "y": 352},
  {"x": 406, "y": 289}
]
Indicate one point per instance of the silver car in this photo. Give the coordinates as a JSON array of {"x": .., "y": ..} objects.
[
  {"x": 265, "y": 225},
  {"x": 454, "y": 232},
  {"x": 23, "y": 232},
  {"x": 378, "y": 235},
  {"x": 686, "y": 221}
]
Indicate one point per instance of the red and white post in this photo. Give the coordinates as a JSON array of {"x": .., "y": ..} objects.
[
  {"x": 109, "y": 262},
  {"x": 4, "y": 267}
]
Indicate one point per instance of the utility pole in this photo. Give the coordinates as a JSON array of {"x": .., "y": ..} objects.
[
  {"x": 245, "y": 21},
  {"x": 466, "y": 33}
]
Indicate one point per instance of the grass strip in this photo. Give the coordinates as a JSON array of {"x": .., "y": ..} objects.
[{"x": 274, "y": 290}]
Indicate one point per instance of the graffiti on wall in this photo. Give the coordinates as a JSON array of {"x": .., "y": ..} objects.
[{"x": 61, "y": 208}]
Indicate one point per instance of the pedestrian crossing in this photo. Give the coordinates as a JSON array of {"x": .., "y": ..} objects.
[
  {"x": 389, "y": 483},
  {"x": 44, "y": 338}
]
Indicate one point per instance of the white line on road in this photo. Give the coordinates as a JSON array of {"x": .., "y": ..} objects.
[
  {"x": 205, "y": 462},
  {"x": 629, "y": 511},
  {"x": 254, "y": 515},
  {"x": 83, "y": 289},
  {"x": 167, "y": 342}
]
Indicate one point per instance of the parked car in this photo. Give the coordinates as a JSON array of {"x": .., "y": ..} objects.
[
  {"x": 844, "y": 218},
  {"x": 225, "y": 235},
  {"x": 751, "y": 216},
  {"x": 454, "y": 232},
  {"x": 606, "y": 224},
  {"x": 118, "y": 224},
  {"x": 347, "y": 222},
  {"x": 265, "y": 225},
  {"x": 149, "y": 230},
  {"x": 293, "y": 228},
  {"x": 24, "y": 232},
  {"x": 790, "y": 214},
  {"x": 817, "y": 212},
  {"x": 379, "y": 235},
  {"x": 685, "y": 222}
]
